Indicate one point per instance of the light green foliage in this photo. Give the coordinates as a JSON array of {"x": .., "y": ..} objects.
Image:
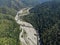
[
  {"x": 7, "y": 41},
  {"x": 9, "y": 30}
]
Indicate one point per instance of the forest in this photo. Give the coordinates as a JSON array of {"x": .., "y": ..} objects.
[{"x": 45, "y": 18}]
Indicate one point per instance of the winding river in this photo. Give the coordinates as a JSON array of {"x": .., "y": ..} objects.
[{"x": 28, "y": 35}]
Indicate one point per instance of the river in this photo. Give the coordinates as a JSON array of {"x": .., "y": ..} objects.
[{"x": 28, "y": 35}]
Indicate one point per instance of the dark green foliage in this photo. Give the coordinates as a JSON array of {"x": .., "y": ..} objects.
[
  {"x": 46, "y": 19},
  {"x": 16, "y": 4},
  {"x": 8, "y": 11},
  {"x": 52, "y": 36}
]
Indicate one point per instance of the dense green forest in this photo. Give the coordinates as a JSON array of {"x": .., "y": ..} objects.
[
  {"x": 18, "y": 4},
  {"x": 9, "y": 29},
  {"x": 45, "y": 18}
]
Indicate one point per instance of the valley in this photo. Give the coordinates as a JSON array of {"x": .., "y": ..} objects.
[
  {"x": 28, "y": 35},
  {"x": 29, "y": 22}
]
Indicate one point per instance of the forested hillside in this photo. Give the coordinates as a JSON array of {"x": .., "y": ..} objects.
[
  {"x": 16, "y": 4},
  {"x": 9, "y": 29},
  {"x": 45, "y": 18}
]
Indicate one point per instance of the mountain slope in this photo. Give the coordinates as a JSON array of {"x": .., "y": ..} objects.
[
  {"x": 46, "y": 19},
  {"x": 33, "y": 2},
  {"x": 9, "y": 29},
  {"x": 17, "y": 4}
]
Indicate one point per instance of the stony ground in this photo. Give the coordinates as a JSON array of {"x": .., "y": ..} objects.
[{"x": 28, "y": 33}]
